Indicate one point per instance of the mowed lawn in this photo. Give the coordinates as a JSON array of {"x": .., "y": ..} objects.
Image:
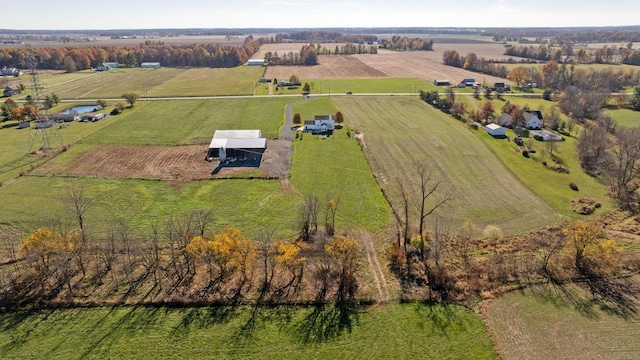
[
  {"x": 399, "y": 131},
  {"x": 547, "y": 323},
  {"x": 192, "y": 121},
  {"x": 207, "y": 82},
  {"x": 409, "y": 331},
  {"x": 336, "y": 166},
  {"x": 250, "y": 205}
]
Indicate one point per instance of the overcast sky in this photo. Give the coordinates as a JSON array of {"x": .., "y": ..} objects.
[{"x": 137, "y": 14}]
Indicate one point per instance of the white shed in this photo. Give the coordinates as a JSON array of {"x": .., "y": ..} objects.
[{"x": 496, "y": 130}]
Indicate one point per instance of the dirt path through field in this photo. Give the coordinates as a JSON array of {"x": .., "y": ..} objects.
[{"x": 374, "y": 265}]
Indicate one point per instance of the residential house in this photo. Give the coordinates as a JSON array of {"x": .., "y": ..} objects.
[
  {"x": 504, "y": 120},
  {"x": 5, "y": 71},
  {"x": 320, "y": 124},
  {"x": 11, "y": 90},
  {"x": 532, "y": 119}
]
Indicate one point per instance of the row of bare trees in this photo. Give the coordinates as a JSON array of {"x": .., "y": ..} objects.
[{"x": 180, "y": 260}]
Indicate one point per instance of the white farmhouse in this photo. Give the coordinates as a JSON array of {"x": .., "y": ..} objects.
[
  {"x": 533, "y": 120},
  {"x": 320, "y": 124}
]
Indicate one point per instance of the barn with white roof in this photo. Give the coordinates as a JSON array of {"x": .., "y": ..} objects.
[{"x": 237, "y": 144}]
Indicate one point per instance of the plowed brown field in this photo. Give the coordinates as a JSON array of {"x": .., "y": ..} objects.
[
  {"x": 426, "y": 65},
  {"x": 176, "y": 163}
]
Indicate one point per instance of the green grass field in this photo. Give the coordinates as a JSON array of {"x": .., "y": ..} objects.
[
  {"x": 337, "y": 166},
  {"x": 205, "y": 82},
  {"x": 551, "y": 186},
  {"x": 625, "y": 117},
  {"x": 549, "y": 323},
  {"x": 247, "y": 204},
  {"x": 407, "y": 331},
  {"x": 15, "y": 144},
  {"x": 191, "y": 121},
  {"x": 398, "y": 131},
  {"x": 361, "y": 86}
]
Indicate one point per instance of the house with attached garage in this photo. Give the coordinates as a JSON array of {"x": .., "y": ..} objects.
[
  {"x": 532, "y": 119},
  {"x": 320, "y": 124}
]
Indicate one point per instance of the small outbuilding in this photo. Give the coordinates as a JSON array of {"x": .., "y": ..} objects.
[
  {"x": 256, "y": 62},
  {"x": 441, "y": 82},
  {"x": 496, "y": 130},
  {"x": 11, "y": 90},
  {"x": 150, "y": 65}
]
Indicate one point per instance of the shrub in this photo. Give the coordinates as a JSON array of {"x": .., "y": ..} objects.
[
  {"x": 573, "y": 186},
  {"x": 525, "y": 153},
  {"x": 547, "y": 94},
  {"x": 115, "y": 111}
]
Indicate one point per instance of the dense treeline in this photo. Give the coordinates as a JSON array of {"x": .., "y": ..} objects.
[
  {"x": 307, "y": 56},
  {"x": 348, "y": 49},
  {"x": 566, "y": 53},
  {"x": 598, "y": 37},
  {"x": 325, "y": 37},
  {"x": 573, "y": 35},
  {"x": 74, "y": 58},
  {"x": 404, "y": 43},
  {"x": 472, "y": 62}
]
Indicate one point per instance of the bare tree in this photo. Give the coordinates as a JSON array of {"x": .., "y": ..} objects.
[
  {"x": 201, "y": 219},
  {"x": 77, "y": 204},
  {"x": 308, "y": 216},
  {"x": 625, "y": 167},
  {"x": 431, "y": 196},
  {"x": 331, "y": 208},
  {"x": 405, "y": 194},
  {"x": 547, "y": 245}
]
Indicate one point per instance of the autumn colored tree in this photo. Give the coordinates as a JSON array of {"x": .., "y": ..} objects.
[
  {"x": 459, "y": 109},
  {"x": 487, "y": 111},
  {"x": 338, "y": 118},
  {"x": 584, "y": 242},
  {"x": 30, "y": 111},
  {"x": 131, "y": 98},
  {"x": 518, "y": 75},
  {"x": 297, "y": 120},
  {"x": 346, "y": 253},
  {"x": 289, "y": 258},
  {"x": 294, "y": 79},
  {"x": 7, "y": 108}
]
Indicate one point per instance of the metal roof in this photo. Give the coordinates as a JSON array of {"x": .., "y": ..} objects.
[
  {"x": 237, "y": 134},
  {"x": 260, "y": 143}
]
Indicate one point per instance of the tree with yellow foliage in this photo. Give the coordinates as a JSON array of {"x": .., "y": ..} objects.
[
  {"x": 49, "y": 253},
  {"x": 584, "y": 241},
  {"x": 227, "y": 252},
  {"x": 346, "y": 253}
]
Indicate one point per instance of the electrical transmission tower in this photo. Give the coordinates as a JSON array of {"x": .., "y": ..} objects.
[{"x": 44, "y": 131}]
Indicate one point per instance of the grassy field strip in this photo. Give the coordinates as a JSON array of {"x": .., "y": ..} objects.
[
  {"x": 407, "y": 331},
  {"x": 249, "y": 205},
  {"x": 398, "y": 131},
  {"x": 192, "y": 121},
  {"x": 546, "y": 323},
  {"x": 207, "y": 82},
  {"x": 625, "y": 117},
  {"x": 91, "y": 82}
]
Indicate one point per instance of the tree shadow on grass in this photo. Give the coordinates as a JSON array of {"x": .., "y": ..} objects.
[
  {"x": 440, "y": 317},
  {"x": 327, "y": 321},
  {"x": 615, "y": 297}
]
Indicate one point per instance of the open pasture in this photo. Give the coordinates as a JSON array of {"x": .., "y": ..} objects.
[
  {"x": 208, "y": 82},
  {"x": 400, "y": 131},
  {"x": 14, "y": 147},
  {"x": 250, "y": 205},
  {"x": 410, "y": 331},
  {"x": 562, "y": 323},
  {"x": 162, "y": 82},
  {"x": 191, "y": 121}
]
